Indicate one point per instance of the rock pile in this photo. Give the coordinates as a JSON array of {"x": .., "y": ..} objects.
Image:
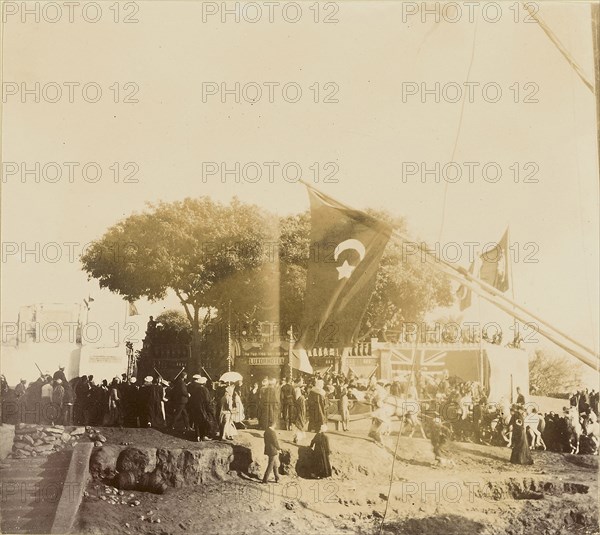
[
  {"x": 156, "y": 468},
  {"x": 97, "y": 438},
  {"x": 33, "y": 440}
]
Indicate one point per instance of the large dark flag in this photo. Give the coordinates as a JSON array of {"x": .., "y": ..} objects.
[
  {"x": 346, "y": 247},
  {"x": 494, "y": 265}
]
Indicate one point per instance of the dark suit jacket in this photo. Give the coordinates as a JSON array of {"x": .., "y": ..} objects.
[
  {"x": 271, "y": 443},
  {"x": 180, "y": 392}
]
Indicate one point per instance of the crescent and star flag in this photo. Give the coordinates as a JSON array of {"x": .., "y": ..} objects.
[
  {"x": 346, "y": 247},
  {"x": 495, "y": 267},
  {"x": 463, "y": 293}
]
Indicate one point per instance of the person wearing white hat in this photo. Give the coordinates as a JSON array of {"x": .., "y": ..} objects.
[
  {"x": 226, "y": 427},
  {"x": 130, "y": 403},
  {"x": 200, "y": 409}
]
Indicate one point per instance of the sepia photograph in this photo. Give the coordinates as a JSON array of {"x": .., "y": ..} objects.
[{"x": 299, "y": 267}]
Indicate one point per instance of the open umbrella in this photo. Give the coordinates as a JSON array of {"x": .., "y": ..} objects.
[{"x": 230, "y": 377}]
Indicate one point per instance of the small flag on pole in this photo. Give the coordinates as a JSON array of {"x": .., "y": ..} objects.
[
  {"x": 132, "y": 309},
  {"x": 299, "y": 361},
  {"x": 298, "y": 358},
  {"x": 495, "y": 268}
]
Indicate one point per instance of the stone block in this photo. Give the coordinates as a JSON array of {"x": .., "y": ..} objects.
[{"x": 103, "y": 462}]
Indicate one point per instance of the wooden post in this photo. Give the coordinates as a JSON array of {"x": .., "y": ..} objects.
[{"x": 290, "y": 349}]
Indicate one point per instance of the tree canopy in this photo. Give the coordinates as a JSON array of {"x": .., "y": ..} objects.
[
  {"x": 237, "y": 259},
  {"x": 173, "y": 327},
  {"x": 551, "y": 373},
  {"x": 206, "y": 252}
]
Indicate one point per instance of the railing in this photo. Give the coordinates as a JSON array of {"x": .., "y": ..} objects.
[
  {"x": 170, "y": 351},
  {"x": 324, "y": 352},
  {"x": 366, "y": 349},
  {"x": 361, "y": 349},
  {"x": 428, "y": 345}
]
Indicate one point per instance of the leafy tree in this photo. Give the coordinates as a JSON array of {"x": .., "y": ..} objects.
[
  {"x": 552, "y": 373},
  {"x": 241, "y": 263},
  {"x": 207, "y": 253},
  {"x": 173, "y": 327},
  {"x": 294, "y": 250}
]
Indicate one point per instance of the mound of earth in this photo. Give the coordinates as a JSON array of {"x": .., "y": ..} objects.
[{"x": 478, "y": 491}]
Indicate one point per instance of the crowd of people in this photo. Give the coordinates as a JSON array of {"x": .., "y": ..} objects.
[
  {"x": 520, "y": 425},
  {"x": 212, "y": 409},
  {"x": 200, "y": 408},
  {"x": 49, "y": 400},
  {"x": 203, "y": 409}
]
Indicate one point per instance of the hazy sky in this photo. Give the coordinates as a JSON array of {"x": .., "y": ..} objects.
[{"x": 368, "y": 57}]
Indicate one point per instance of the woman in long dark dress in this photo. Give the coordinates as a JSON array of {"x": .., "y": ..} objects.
[
  {"x": 316, "y": 407},
  {"x": 299, "y": 414},
  {"x": 520, "y": 447},
  {"x": 320, "y": 447}
]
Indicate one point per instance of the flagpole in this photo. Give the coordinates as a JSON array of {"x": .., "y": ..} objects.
[
  {"x": 481, "y": 377},
  {"x": 591, "y": 359},
  {"x": 512, "y": 283},
  {"x": 477, "y": 285},
  {"x": 495, "y": 293},
  {"x": 125, "y": 322},
  {"x": 560, "y": 47},
  {"x": 461, "y": 275},
  {"x": 291, "y": 333},
  {"x": 229, "y": 339},
  {"x": 228, "y": 347}
]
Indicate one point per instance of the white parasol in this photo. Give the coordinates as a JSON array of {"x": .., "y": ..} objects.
[{"x": 230, "y": 377}]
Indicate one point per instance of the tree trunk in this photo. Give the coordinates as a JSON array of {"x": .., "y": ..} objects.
[{"x": 196, "y": 363}]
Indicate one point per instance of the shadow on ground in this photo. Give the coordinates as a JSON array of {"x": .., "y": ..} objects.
[{"x": 447, "y": 524}]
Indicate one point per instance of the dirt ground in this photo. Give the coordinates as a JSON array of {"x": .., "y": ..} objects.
[{"x": 480, "y": 492}]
